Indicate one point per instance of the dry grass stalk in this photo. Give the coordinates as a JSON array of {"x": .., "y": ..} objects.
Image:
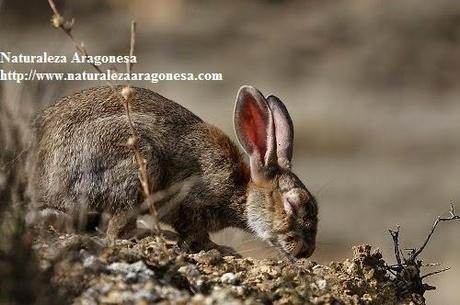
[{"x": 126, "y": 96}]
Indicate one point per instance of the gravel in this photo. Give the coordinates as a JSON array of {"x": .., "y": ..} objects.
[{"x": 149, "y": 272}]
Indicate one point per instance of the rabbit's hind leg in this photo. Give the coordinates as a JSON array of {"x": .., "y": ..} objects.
[
  {"x": 51, "y": 218},
  {"x": 81, "y": 221},
  {"x": 121, "y": 225}
]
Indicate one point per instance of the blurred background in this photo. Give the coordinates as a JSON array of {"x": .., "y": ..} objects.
[{"x": 372, "y": 87}]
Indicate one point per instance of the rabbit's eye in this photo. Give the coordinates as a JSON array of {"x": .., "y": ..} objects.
[{"x": 308, "y": 225}]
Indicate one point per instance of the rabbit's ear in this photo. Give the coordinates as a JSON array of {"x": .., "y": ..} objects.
[
  {"x": 254, "y": 129},
  {"x": 284, "y": 131}
]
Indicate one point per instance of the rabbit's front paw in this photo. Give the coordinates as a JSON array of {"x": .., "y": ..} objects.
[
  {"x": 227, "y": 251},
  {"x": 194, "y": 246}
]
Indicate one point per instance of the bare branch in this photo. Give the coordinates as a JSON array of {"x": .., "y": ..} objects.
[
  {"x": 129, "y": 64},
  {"x": 435, "y": 272},
  {"x": 431, "y": 265},
  {"x": 58, "y": 21},
  {"x": 452, "y": 216},
  {"x": 406, "y": 272},
  {"x": 395, "y": 236}
]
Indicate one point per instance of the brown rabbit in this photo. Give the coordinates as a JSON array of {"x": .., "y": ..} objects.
[{"x": 80, "y": 161}]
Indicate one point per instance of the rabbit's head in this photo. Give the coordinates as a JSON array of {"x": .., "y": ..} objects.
[{"x": 280, "y": 209}]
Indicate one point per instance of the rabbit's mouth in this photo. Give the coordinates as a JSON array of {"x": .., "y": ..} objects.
[
  {"x": 305, "y": 251},
  {"x": 293, "y": 250}
]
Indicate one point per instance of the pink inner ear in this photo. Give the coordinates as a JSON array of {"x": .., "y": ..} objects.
[{"x": 254, "y": 126}]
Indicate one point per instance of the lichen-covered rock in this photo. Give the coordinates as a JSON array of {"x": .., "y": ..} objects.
[{"x": 131, "y": 272}]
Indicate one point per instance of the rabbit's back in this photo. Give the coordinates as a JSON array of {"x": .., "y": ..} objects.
[
  {"x": 80, "y": 154},
  {"x": 94, "y": 103}
]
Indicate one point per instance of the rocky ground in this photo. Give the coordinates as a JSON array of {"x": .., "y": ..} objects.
[{"x": 89, "y": 270}]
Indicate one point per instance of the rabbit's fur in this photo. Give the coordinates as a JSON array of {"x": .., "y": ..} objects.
[{"x": 80, "y": 160}]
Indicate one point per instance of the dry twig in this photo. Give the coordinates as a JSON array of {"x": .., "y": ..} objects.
[
  {"x": 452, "y": 216},
  {"x": 407, "y": 270},
  {"x": 126, "y": 96}
]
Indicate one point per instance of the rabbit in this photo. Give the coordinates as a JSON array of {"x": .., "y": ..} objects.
[{"x": 80, "y": 161}]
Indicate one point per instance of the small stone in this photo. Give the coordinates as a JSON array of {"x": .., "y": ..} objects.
[
  {"x": 113, "y": 297},
  {"x": 317, "y": 269},
  {"x": 230, "y": 278},
  {"x": 180, "y": 259},
  {"x": 189, "y": 271},
  {"x": 198, "y": 299},
  {"x": 366, "y": 297},
  {"x": 352, "y": 268},
  {"x": 361, "y": 251},
  {"x": 272, "y": 271},
  {"x": 132, "y": 272},
  {"x": 370, "y": 274},
  {"x": 211, "y": 257},
  {"x": 239, "y": 290},
  {"x": 92, "y": 263},
  {"x": 321, "y": 284},
  {"x": 145, "y": 295}
]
